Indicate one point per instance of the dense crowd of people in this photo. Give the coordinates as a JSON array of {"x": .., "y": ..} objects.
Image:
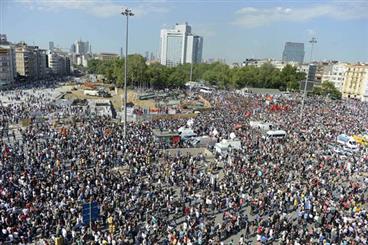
[{"x": 295, "y": 190}]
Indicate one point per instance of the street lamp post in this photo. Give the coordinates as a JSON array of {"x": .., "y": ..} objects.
[
  {"x": 191, "y": 71},
  {"x": 312, "y": 42},
  {"x": 127, "y": 13}
]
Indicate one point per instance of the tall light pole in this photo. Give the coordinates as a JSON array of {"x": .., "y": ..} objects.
[
  {"x": 191, "y": 71},
  {"x": 127, "y": 13},
  {"x": 312, "y": 42}
]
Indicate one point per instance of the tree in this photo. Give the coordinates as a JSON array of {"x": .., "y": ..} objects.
[
  {"x": 157, "y": 75},
  {"x": 218, "y": 74},
  {"x": 291, "y": 77},
  {"x": 136, "y": 69},
  {"x": 327, "y": 88}
]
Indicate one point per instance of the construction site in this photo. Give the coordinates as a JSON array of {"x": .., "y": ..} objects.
[{"x": 141, "y": 104}]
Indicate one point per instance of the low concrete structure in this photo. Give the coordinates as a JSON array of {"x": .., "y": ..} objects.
[
  {"x": 101, "y": 107},
  {"x": 190, "y": 152},
  {"x": 166, "y": 136}
]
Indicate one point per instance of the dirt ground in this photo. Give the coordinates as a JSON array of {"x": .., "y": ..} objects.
[
  {"x": 77, "y": 92},
  {"x": 116, "y": 99}
]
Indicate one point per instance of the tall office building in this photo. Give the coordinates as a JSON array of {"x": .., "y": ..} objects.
[
  {"x": 80, "y": 53},
  {"x": 81, "y": 47},
  {"x": 72, "y": 48},
  {"x": 179, "y": 46},
  {"x": 293, "y": 52},
  {"x": 194, "y": 49},
  {"x": 51, "y": 45}
]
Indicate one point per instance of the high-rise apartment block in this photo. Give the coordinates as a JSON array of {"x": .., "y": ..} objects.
[
  {"x": 51, "y": 45},
  {"x": 179, "y": 46},
  {"x": 59, "y": 63},
  {"x": 80, "y": 53},
  {"x": 335, "y": 73},
  {"x": 7, "y": 61},
  {"x": 82, "y": 48},
  {"x": 293, "y": 52},
  {"x": 30, "y": 61},
  {"x": 73, "y": 48}
]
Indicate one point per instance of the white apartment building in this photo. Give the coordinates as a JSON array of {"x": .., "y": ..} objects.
[
  {"x": 179, "y": 46},
  {"x": 335, "y": 73},
  {"x": 58, "y": 63},
  {"x": 7, "y": 62}
]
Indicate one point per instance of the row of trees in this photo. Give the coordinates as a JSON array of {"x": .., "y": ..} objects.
[{"x": 219, "y": 74}]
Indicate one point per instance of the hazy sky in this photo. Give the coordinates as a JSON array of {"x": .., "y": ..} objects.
[{"x": 232, "y": 29}]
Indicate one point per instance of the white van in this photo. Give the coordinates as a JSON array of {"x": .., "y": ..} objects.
[
  {"x": 347, "y": 142},
  {"x": 275, "y": 134},
  {"x": 264, "y": 126},
  {"x": 91, "y": 92},
  {"x": 224, "y": 146}
]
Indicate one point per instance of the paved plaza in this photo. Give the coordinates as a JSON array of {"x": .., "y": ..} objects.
[{"x": 55, "y": 157}]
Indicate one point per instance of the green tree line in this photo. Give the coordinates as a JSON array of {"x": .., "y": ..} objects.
[{"x": 158, "y": 76}]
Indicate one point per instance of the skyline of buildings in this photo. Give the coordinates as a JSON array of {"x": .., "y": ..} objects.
[
  {"x": 152, "y": 57},
  {"x": 34, "y": 63},
  {"x": 246, "y": 33},
  {"x": 81, "y": 47},
  {"x": 180, "y": 46},
  {"x": 29, "y": 62}
]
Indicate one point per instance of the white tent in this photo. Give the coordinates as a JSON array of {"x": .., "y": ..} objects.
[{"x": 225, "y": 145}]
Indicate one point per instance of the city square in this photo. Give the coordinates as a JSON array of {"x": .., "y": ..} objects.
[
  {"x": 183, "y": 122},
  {"x": 297, "y": 188}
]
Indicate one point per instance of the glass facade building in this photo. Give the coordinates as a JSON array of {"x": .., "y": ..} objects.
[{"x": 293, "y": 52}]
